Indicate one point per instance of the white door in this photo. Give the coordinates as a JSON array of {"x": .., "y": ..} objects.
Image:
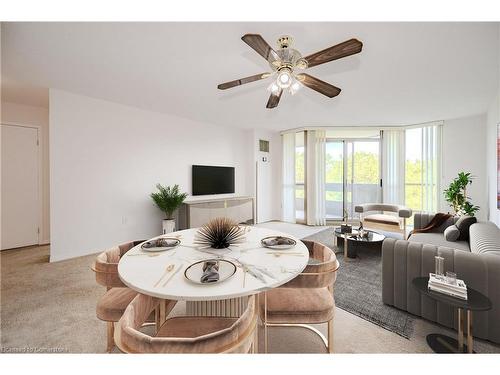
[{"x": 19, "y": 189}]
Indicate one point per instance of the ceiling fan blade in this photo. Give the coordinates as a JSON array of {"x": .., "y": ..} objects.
[
  {"x": 242, "y": 81},
  {"x": 274, "y": 99},
  {"x": 258, "y": 43},
  {"x": 347, "y": 48},
  {"x": 318, "y": 85}
]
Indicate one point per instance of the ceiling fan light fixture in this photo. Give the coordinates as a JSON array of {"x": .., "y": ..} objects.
[
  {"x": 285, "y": 62},
  {"x": 301, "y": 63},
  {"x": 294, "y": 87},
  {"x": 273, "y": 88},
  {"x": 284, "y": 79}
]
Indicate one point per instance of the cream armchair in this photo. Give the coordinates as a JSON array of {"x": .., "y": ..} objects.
[
  {"x": 306, "y": 299},
  {"x": 112, "y": 304},
  {"x": 374, "y": 215},
  {"x": 185, "y": 334}
]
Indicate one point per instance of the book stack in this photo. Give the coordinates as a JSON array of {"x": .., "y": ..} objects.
[{"x": 438, "y": 284}]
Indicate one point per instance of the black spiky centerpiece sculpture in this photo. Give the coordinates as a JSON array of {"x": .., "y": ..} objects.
[{"x": 220, "y": 233}]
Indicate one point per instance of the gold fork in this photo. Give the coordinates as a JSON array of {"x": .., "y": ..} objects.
[
  {"x": 171, "y": 276},
  {"x": 169, "y": 268},
  {"x": 149, "y": 255}
]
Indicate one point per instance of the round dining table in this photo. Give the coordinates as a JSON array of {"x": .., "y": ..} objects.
[{"x": 162, "y": 274}]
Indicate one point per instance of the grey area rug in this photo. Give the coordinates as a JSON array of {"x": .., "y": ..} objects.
[{"x": 358, "y": 288}]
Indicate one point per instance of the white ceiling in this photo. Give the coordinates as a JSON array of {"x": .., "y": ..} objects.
[{"x": 407, "y": 72}]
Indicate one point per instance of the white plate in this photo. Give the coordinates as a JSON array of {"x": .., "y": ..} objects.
[
  {"x": 194, "y": 272},
  {"x": 278, "y": 242},
  {"x": 170, "y": 243}
]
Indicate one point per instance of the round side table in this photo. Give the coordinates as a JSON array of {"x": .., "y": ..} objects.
[{"x": 476, "y": 301}]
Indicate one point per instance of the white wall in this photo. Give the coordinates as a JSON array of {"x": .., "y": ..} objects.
[
  {"x": 19, "y": 114},
  {"x": 105, "y": 160},
  {"x": 464, "y": 150}
]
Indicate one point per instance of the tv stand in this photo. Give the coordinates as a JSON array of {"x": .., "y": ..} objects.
[{"x": 198, "y": 211}]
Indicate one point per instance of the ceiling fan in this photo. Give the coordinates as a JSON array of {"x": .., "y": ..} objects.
[{"x": 286, "y": 61}]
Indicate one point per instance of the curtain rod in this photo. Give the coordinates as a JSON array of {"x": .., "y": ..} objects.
[{"x": 397, "y": 127}]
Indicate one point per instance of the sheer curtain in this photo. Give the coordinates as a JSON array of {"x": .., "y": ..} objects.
[
  {"x": 393, "y": 168},
  {"x": 431, "y": 167},
  {"x": 288, "y": 206},
  {"x": 316, "y": 149}
]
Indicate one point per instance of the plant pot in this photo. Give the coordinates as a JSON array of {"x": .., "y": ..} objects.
[{"x": 168, "y": 226}]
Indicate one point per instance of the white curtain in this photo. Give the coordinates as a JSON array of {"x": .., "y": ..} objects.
[
  {"x": 393, "y": 166},
  {"x": 315, "y": 159},
  {"x": 431, "y": 167},
  {"x": 288, "y": 204}
]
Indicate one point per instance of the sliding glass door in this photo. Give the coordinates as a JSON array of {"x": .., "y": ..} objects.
[
  {"x": 334, "y": 179},
  {"x": 363, "y": 174},
  {"x": 352, "y": 176}
]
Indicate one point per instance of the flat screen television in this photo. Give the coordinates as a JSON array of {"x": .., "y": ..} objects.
[{"x": 212, "y": 180}]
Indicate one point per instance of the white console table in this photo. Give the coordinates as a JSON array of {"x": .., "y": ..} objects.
[{"x": 197, "y": 212}]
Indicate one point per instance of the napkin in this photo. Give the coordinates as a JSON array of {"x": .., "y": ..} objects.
[
  {"x": 278, "y": 241},
  {"x": 210, "y": 272},
  {"x": 159, "y": 242}
]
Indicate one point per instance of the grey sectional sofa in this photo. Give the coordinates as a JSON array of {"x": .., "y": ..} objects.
[{"x": 476, "y": 261}]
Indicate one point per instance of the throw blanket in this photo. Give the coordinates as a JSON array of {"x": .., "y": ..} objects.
[{"x": 438, "y": 220}]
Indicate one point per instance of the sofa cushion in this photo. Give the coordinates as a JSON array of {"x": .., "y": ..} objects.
[
  {"x": 484, "y": 238},
  {"x": 438, "y": 239},
  {"x": 452, "y": 233},
  {"x": 298, "y": 305},
  {"x": 463, "y": 224},
  {"x": 193, "y": 326},
  {"x": 382, "y": 219}
]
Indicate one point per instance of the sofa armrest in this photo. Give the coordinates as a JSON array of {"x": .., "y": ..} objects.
[{"x": 404, "y": 212}]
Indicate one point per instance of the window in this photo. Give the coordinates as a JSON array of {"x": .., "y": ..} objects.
[
  {"x": 300, "y": 168},
  {"x": 413, "y": 169},
  {"x": 334, "y": 179},
  {"x": 422, "y": 168},
  {"x": 352, "y": 175}
]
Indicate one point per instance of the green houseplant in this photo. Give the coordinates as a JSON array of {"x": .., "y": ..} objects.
[
  {"x": 168, "y": 199},
  {"x": 456, "y": 195}
]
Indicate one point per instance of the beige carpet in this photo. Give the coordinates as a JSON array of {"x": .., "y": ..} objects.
[{"x": 50, "y": 307}]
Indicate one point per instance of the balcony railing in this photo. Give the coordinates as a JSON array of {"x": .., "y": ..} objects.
[{"x": 334, "y": 204}]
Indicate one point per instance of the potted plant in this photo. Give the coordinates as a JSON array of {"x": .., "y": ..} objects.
[
  {"x": 456, "y": 195},
  {"x": 168, "y": 199}
]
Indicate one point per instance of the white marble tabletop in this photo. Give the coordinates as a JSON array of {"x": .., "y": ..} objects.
[{"x": 141, "y": 272}]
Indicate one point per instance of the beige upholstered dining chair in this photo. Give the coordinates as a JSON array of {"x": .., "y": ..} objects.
[
  {"x": 185, "y": 334},
  {"x": 112, "y": 304},
  {"x": 306, "y": 299}
]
